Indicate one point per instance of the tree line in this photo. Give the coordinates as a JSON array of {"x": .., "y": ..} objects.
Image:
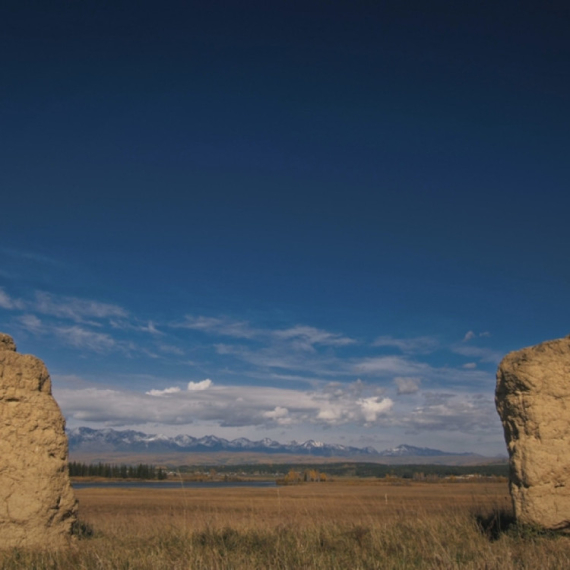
[
  {"x": 349, "y": 469},
  {"x": 294, "y": 477},
  {"x": 108, "y": 470}
]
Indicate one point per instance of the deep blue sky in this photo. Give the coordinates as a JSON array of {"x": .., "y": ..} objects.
[{"x": 250, "y": 177}]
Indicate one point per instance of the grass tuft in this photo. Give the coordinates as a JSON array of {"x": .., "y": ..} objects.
[
  {"x": 81, "y": 529},
  {"x": 496, "y": 523}
]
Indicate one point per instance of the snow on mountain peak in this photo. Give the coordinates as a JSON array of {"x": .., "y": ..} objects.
[{"x": 129, "y": 440}]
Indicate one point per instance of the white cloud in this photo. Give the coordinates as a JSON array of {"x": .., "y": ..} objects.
[
  {"x": 469, "y": 335},
  {"x": 415, "y": 345},
  {"x": 85, "y": 315},
  {"x": 279, "y": 415},
  {"x": 198, "y": 386},
  {"x": 76, "y": 336},
  {"x": 304, "y": 337},
  {"x": 32, "y": 256},
  {"x": 75, "y": 309},
  {"x": 354, "y": 389},
  {"x": 335, "y": 405},
  {"x": 82, "y": 338},
  {"x": 170, "y": 349},
  {"x": 277, "y": 362},
  {"x": 31, "y": 323},
  {"x": 135, "y": 326},
  {"x": 300, "y": 337},
  {"x": 172, "y": 390},
  {"x": 374, "y": 407},
  {"x": 407, "y": 385},
  {"x": 224, "y": 405},
  {"x": 470, "y": 365},
  {"x": 218, "y": 326},
  {"x": 285, "y": 357},
  {"x": 9, "y": 303},
  {"x": 151, "y": 328},
  {"x": 466, "y": 413},
  {"x": 389, "y": 365},
  {"x": 482, "y": 353}
]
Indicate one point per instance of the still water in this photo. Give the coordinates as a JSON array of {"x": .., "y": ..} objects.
[{"x": 172, "y": 484}]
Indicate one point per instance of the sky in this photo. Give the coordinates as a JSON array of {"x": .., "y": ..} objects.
[{"x": 295, "y": 220}]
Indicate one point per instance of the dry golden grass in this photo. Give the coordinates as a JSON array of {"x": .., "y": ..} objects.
[{"x": 321, "y": 525}]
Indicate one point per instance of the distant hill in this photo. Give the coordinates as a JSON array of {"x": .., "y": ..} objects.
[
  {"x": 86, "y": 442},
  {"x": 411, "y": 451}
]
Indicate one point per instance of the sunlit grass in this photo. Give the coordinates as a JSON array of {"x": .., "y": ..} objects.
[{"x": 321, "y": 526}]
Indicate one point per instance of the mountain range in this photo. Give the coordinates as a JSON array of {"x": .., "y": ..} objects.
[{"x": 84, "y": 439}]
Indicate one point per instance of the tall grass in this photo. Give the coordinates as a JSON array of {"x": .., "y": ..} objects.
[{"x": 320, "y": 526}]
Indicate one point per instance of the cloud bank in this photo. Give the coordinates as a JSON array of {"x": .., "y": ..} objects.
[{"x": 296, "y": 377}]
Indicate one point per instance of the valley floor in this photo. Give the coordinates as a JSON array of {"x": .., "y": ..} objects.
[{"x": 340, "y": 525}]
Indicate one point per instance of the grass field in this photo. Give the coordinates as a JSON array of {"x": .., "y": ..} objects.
[{"x": 342, "y": 525}]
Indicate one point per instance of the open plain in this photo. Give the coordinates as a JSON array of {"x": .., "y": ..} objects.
[{"x": 340, "y": 524}]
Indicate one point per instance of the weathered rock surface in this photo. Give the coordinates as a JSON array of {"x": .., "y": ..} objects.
[
  {"x": 37, "y": 504},
  {"x": 533, "y": 401}
]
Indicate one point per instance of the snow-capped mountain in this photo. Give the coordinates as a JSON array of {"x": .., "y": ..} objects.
[
  {"x": 410, "y": 450},
  {"x": 85, "y": 439}
]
